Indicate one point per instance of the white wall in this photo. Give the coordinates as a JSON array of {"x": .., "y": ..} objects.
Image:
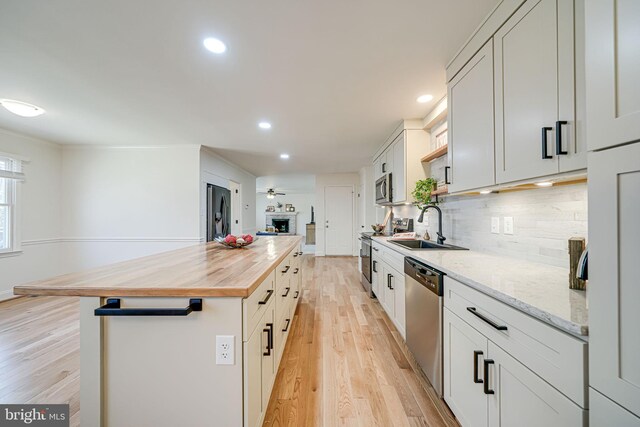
[
  {"x": 218, "y": 171},
  {"x": 127, "y": 202},
  {"x": 323, "y": 181},
  {"x": 544, "y": 219},
  {"x": 39, "y": 204}
]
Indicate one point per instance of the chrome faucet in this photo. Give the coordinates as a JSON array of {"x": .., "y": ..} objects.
[{"x": 441, "y": 238}]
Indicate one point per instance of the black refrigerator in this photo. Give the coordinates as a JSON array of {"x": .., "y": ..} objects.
[{"x": 218, "y": 212}]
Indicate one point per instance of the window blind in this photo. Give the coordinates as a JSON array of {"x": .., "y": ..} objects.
[{"x": 11, "y": 168}]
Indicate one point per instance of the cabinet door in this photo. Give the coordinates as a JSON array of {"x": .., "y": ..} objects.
[
  {"x": 464, "y": 352},
  {"x": 521, "y": 398},
  {"x": 614, "y": 287},
  {"x": 389, "y": 302},
  {"x": 527, "y": 87},
  {"x": 377, "y": 169},
  {"x": 375, "y": 275},
  {"x": 399, "y": 176},
  {"x": 267, "y": 351},
  {"x": 387, "y": 165},
  {"x": 470, "y": 127},
  {"x": 253, "y": 350},
  {"x": 398, "y": 285},
  {"x": 612, "y": 70}
]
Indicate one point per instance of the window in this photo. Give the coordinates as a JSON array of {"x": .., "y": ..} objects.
[{"x": 10, "y": 173}]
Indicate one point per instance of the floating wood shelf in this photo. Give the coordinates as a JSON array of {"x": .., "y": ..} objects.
[
  {"x": 435, "y": 154},
  {"x": 440, "y": 190}
]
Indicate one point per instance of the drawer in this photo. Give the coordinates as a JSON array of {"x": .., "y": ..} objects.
[
  {"x": 283, "y": 272},
  {"x": 284, "y": 300},
  {"x": 256, "y": 304},
  {"x": 558, "y": 358}
]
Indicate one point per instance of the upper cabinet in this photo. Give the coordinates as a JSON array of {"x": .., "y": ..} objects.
[
  {"x": 516, "y": 106},
  {"x": 400, "y": 157},
  {"x": 470, "y": 98},
  {"x": 613, "y": 67}
]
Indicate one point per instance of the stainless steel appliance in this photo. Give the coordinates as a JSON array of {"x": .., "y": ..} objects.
[
  {"x": 423, "y": 300},
  {"x": 384, "y": 190},
  {"x": 365, "y": 261}
]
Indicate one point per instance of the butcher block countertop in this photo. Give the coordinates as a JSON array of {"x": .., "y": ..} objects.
[{"x": 204, "y": 270}]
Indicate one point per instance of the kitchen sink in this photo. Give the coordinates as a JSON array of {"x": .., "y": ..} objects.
[{"x": 423, "y": 245}]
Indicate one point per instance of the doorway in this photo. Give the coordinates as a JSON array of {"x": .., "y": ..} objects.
[{"x": 338, "y": 206}]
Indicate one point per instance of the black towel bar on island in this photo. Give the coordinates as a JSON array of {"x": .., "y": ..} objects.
[{"x": 112, "y": 308}]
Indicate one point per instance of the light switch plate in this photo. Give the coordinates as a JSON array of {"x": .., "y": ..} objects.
[
  {"x": 225, "y": 350},
  {"x": 495, "y": 225},
  {"x": 508, "y": 225}
]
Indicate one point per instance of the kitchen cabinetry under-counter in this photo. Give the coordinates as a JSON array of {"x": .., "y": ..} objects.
[{"x": 388, "y": 284}]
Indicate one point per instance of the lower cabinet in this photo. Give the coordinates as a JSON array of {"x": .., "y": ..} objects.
[{"x": 388, "y": 285}]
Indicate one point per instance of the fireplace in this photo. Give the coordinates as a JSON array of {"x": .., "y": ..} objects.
[{"x": 281, "y": 225}]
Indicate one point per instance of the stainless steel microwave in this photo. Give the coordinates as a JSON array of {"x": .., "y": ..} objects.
[{"x": 384, "y": 190}]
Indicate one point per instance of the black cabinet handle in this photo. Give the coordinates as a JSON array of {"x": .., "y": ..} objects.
[
  {"x": 295, "y": 296},
  {"x": 295, "y": 254},
  {"x": 473, "y": 311},
  {"x": 487, "y": 362},
  {"x": 559, "y": 150},
  {"x": 269, "y": 293},
  {"x": 286, "y": 269},
  {"x": 384, "y": 167},
  {"x": 374, "y": 266},
  {"x": 376, "y": 249},
  {"x": 296, "y": 271},
  {"x": 112, "y": 308},
  {"x": 287, "y": 327},
  {"x": 269, "y": 331},
  {"x": 299, "y": 253},
  {"x": 545, "y": 155},
  {"x": 475, "y": 367},
  {"x": 389, "y": 277},
  {"x": 446, "y": 174},
  {"x": 286, "y": 293}
]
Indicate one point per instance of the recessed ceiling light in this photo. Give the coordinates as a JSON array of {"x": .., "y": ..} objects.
[
  {"x": 21, "y": 108},
  {"x": 544, "y": 184},
  {"x": 424, "y": 98},
  {"x": 214, "y": 45},
  {"x": 284, "y": 156},
  {"x": 485, "y": 192},
  {"x": 264, "y": 125}
]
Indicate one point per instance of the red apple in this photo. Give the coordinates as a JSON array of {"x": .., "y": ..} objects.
[
  {"x": 231, "y": 239},
  {"x": 248, "y": 238}
]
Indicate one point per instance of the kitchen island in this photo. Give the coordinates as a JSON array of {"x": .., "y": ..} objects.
[{"x": 187, "y": 337}]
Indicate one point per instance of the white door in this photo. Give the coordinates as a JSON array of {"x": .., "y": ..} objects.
[
  {"x": 518, "y": 397},
  {"x": 614, "y": 272},
  {"x": 612, "y": 70},
  {"x": 528, "y": 82},
  {"x": 464, "y": 352},
  {"x": 236, "y": 207},
  {"x": 471, "y": 140},
  {"x": 339, "y": 230}
]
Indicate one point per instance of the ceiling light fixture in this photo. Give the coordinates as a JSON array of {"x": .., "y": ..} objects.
[
  {"x": 21, "y": 108},
  {"x": 214, "y": 45},
  {"x": 284, "y": 156},
  {"x": 424, "y": 98},
  {"x": 264, "y": 125},
  {"x": 544, "y": 184}
]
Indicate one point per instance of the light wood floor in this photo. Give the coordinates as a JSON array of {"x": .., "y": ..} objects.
[{"x": 344, "y": 363}]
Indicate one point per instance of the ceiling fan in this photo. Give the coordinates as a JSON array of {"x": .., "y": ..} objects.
[{"x": 271, "y": 193}]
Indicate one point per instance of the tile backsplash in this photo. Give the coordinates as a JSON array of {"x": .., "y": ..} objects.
[{"x": 543, "y": 220}]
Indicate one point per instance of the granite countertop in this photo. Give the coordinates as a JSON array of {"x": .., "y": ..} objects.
[
  {"x": 539, "y": 290},
  {"x": 204, "y": 270}
]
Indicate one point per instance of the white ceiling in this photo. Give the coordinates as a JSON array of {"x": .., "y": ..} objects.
[
  {"x": 287, "y": 183},
  {"x": 334, "y": 77}
]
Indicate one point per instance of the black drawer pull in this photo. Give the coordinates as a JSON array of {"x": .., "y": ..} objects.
[
  {"x": 295, "y": 296},
  {"x": 287, "y": 327},
  {"x": 269, "y": 331},
  {"x": 487, "y": 362},
  {"x": 299, "y": 253},
  {"x": 446, "y": 174},
  {"x": 475, "y": 367},
  {"x": 296, "y": 271},
  {"x": 286, "y": 293},
  {"x": 295, "y": 254},
  {"x": 112, "y": 308},
  {"x": 286, "y": 269},
  {"x": 376, "y": 249},
  {"x": 473, "y": 311},
  {"x": 559, "y": 150},
  {"x": 269, "y": 293},
  {"x": 389, "y": 277},
  {"x": 374, "y": 266},
  {"x": 545, "y": 155}
]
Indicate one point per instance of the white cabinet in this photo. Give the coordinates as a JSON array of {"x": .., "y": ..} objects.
[
  {"x": 399, "y": 175},
  {"x": 389, "y": 285},
  {"x": 470, "y": 117},
  {"x": 535, "y": 117},
  {"x": 614, "y": 287},
  {"x": 376, "y": 273},
  {"x": 612, "y": 70},
  {"x": 399, "y": 293}
]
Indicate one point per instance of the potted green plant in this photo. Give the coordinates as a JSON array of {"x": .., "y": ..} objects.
[{"x": 422, "y": 193}]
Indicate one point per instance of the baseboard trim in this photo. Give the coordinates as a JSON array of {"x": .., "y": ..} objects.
[{"x": 7, "y": 295}]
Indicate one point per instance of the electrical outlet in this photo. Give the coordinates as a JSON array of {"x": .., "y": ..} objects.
[
  {"x": 508, "y": 225},
  {"x": 495, "y": 225},
  {"x": 225, "y": 350}
]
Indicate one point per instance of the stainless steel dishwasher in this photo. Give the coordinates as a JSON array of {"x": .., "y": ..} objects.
[{"x": 423, "y": 300}]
